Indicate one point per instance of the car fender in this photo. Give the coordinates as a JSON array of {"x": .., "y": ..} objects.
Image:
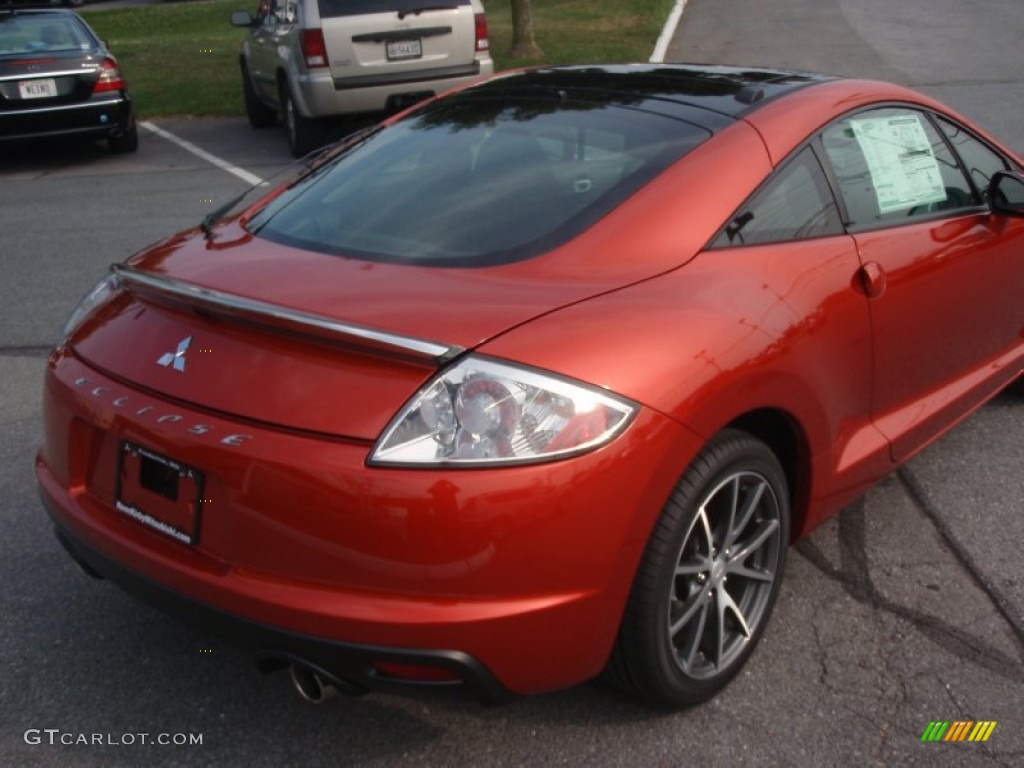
[{"x": 722, "y": 338}]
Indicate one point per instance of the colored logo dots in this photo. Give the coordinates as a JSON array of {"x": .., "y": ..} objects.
[{"x": 958, "y": 730}]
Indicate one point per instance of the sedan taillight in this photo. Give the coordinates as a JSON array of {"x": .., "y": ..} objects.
[
  {"x": 482, "y": 42},
  {"x": 314, "y": 49},
  {"x": 110, "y": 77}
]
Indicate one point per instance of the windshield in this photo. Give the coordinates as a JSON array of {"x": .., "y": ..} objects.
[{"x": 476, "y": 180}]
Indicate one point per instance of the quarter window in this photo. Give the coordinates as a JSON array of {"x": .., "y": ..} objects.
[
  {"x": 794, "y": 205},
  {"x": 891, "y": 164},
  {"x": 980, "y": 161}
]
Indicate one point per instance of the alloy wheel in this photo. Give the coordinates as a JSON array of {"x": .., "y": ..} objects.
[{"x": 724, "y": 574}]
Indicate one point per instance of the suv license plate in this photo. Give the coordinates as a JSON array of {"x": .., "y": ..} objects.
[
  {"x": 38, "y": 89},
  {"x": 404, "y": 49},
  {"x": 158, "y": 492}
]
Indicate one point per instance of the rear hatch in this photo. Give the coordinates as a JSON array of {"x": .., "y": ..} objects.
[
  {"x": 45, "y": 61},
  {"x": 398, "y": 38},
  {"x": 326, "y": 305},
  {"x": 246, "y": 344}
]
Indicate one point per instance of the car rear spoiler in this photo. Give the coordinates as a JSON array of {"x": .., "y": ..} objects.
[{"x": 280, "y": 318}]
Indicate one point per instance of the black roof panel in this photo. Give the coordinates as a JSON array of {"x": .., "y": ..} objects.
[{"x": 726, "y": 91}]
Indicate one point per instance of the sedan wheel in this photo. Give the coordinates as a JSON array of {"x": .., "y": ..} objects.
[
  {"x": 709, "y": 576},
  {"x": 127, "y": 141}
]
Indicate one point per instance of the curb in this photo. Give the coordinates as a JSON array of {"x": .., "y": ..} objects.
[{"x": 667, "y": 33}]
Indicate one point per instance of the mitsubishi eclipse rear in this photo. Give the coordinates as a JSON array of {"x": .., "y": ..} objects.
[{"x": 539, "y": 379}]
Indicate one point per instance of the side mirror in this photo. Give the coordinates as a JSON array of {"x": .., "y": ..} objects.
[
  {"x": 1006, "y": 193},
  {"x": 242, "y": 19}
]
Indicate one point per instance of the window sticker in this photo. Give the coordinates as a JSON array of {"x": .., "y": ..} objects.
[{"x": 903, "y": 168}]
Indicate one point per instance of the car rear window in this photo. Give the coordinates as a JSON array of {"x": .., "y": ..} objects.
[
  {"x": 334, "y": 8},
  {"x": 471, "y": 181},
  {"x": 21, "y": 34}
]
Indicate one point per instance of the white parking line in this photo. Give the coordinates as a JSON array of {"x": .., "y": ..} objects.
[
  {"x": 188, "y": 146},
  {"x": 667, "y": 32}
]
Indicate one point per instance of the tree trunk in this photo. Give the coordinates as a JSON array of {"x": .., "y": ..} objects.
[{"x": 524, "y": 44}]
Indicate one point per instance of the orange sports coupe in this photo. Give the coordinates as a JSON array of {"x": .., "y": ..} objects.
[{"x": 540, "y": 378}]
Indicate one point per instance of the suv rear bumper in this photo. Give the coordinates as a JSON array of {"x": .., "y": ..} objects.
[{"x": 319, "y": 94}]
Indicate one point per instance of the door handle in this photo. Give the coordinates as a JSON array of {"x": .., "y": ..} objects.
[{"x": 872, "y": 279}]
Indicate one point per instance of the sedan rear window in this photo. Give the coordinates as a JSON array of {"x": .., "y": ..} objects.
[
  {"x": 41, "y": 34},
  {"x": 470, "y": 181}
]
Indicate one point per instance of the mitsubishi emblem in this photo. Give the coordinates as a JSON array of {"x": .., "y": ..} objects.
[{"x": 176, "y": 359}]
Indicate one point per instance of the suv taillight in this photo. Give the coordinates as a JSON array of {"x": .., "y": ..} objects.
[
  {"x": 482, "y": 43},
  {"x": 314, "y": 49},
  {"x": 110, "y": 77}
]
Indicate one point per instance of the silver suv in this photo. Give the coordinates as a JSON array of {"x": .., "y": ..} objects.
[{"x": 310, "y": 59}]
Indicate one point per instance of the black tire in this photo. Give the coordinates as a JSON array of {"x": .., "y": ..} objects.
[
  {"x": 727, "y": 519},
  {"x": 302, "y": 132},
  {"x": 260, "y": 115},
  {"x": 126, "y": 142}
]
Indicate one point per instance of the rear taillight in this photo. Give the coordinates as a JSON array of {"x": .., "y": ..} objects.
[
  {"x": 482, "y": 43},
  {"x": 314, "y": 49},
  {"x": 110, "y": 77}
]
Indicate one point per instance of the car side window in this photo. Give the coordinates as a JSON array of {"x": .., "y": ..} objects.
[
  {"x": 891, "y": 164},
  {"x": 980, "y": 161},
  {"x": 795, "y": 204}
]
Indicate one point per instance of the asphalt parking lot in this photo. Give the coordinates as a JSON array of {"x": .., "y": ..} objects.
[{"x": 906, "y": 608}]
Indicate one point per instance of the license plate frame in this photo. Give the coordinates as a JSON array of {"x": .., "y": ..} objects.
[
  {"x": 158, "y": 492},
  {"x": 403, "y": 50},
  {"x": 43, "y": 88}
]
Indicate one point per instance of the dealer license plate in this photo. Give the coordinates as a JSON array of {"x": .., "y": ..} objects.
[
  {"x": 38, "y": 89},
  {"x": 404, "y": 49},
  {"x": 159, "y": 492}
]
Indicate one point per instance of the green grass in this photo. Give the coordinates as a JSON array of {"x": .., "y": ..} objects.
[
  {"x": 582, "y": 31},
  {"x": 182, "y": 58},
  {"x": 178, "y": 59}
]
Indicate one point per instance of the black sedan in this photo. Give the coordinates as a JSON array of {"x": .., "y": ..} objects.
[{"x": 57, "y": 78}]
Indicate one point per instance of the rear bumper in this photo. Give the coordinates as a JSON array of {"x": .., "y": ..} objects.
[
  {"x": 345, "y": 664},
  {"x": 514, "y": 578},
  {"x": 319, "y": 94},
  {"x": 98, "y": 118}
]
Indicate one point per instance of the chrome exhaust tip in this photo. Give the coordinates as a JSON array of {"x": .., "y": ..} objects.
[{"x": 311, "y": 686}]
